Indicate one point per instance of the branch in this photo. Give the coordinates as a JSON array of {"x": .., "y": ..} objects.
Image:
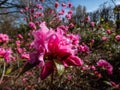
[
  {"x": 2, "y": 2},
  {"x": 9, "y": 12}
]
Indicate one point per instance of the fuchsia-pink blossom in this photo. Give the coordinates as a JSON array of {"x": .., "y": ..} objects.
[
  {"x": 4, "y": 38},
  {"x": 20, "y": 36},
  {"x": 104, "y": 38},
  {"x": 68, "y": 16},
  {"x": 70, "y": 12},
  {"x": 39, "y": 6},
  {"x": 56, "y": 4},
  {"x": 106, "y": 65},
  {"x": 70, "y": 5},
  {"x": 32, "y": 25},
  {"x": 6, "y": 54},
  {"x": 51, "y": 45},
  {"x": 117, "y": 38},
  {"x": 108, "y": 31},
  {"x": 92, "y": 24},
  {"x": 63, "y": 5},
  {"x": 87, "y": 18}
]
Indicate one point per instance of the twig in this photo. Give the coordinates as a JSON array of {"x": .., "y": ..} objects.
[{"x": 3, "y": 73}]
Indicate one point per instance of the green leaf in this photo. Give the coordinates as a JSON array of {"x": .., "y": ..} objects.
[
  {"x": 8, "y": 71},
  {"x": 108, "y": 83},
  {"x": 60, "y": 67}
]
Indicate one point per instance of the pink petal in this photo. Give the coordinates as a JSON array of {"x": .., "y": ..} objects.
[
  {"x": 72, "y": 61},
  {"x": 46, "y": 70}
]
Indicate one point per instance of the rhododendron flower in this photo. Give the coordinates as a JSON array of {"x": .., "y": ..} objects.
[
  {"x": 63, "y": 5},
  {"x": 32, "y": 25},
  {"x": 6, "y": 54},
  {"x": 20, "y": 36},
  {"x": 39, "y": 6},
  {"x": 70, "y": 12},
  {"x": 84, "y": 49},
  {"x": 51, "y": 45},
  {"x": 108, "y": 31},
  {"x": 70, "y": 5},
  {"x": 106, "y": 65},
  {"x": 92, "y": 24},
  {"x": 104, "y": 38},
  {"x": 25, "y": 56},
  {"x": 61, "y": 12},
  {"x": 87, "y": 18},
  {"x": 68, "y": 16},
  {"x": 56, "y": 4},
  {"x": 117, "y": 38},
  {"x": 4, "y": 38}
]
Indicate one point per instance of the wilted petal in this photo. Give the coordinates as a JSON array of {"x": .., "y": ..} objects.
[{"x": 46, "y": 70}]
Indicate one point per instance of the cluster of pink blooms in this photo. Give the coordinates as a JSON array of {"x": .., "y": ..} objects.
[
  {"x": 106, "y": 65},
  {"x": 53, "y": 45},
  {"x": 6, "y": 54},
  {"x": 4, "y": 38}
]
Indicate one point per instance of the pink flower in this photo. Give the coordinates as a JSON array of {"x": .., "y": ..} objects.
[
  {"x": 93, "y": 68},
  {"x": 56, "y": 4},
  {"x": 7, "y": 55},
  {"x": 61, "y": 12},
  {"x": 71, "y": 25},
  {"x": 70, "y": 5},
  {"x": 20, "y": 36},
  {"x": 68, "y": 16},
  {"x": 87, "y": 18},
  {"x": 104, "y": 38},
  {"x": 52, "y": 45},
  {"x": 63, "y": 5},
  {"x": 70, "y": 12},
  {"x": 4, "y": 38},
  {"x": 117, "y": 38},
  {"x": 84, "y": 49},
  {"x": 39, "y": 6},
  {"x": 92, "y": 24},
  {"x": 106, "y": 65},
  {"x": 25, "y": 56},
  {"x": 32, "y": 25},
  {"x": 108, "y": 31}
]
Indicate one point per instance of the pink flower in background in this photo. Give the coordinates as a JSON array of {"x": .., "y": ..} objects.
[
  {"x": 70, "y": 12},
  {"x": 68, "y": 16},
  {"x": 20, "y": 36},
  {"x": 63, "y": 5},
  {"x": 4, "y": 38},
  {"x": 117, "y": 38},
  {"x": 39, "y": 6},
  {"x": 108, "y": 31},
  {"x": 70, "y": 5},
  {"x": 25, "y": 56},
  {"x": 32, "y": 25},
  {"x": 104, "y": 38},
  {"x": 92, "y": 24},
  {"x": 56, "y": 4},
  {"x": 87, "y": 18},
  {"x": 6, "y": 54},
  {"x": 106, "y": 65}
]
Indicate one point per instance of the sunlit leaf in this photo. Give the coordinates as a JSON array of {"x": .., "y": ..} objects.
[
  {"x": 60, "y": 67},
  {"x": 8, "y": 71}
]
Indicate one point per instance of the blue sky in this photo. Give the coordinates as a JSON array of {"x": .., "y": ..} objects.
[{"x": 92, "y": 5}]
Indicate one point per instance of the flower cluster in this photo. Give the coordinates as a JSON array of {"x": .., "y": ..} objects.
[{"x": 106, "y": 65}]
